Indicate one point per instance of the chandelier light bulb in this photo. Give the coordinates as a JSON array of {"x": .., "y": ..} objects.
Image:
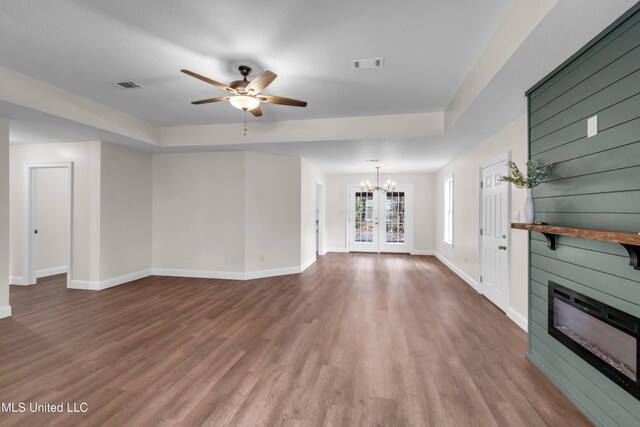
[{"x": 389, "y": 186}]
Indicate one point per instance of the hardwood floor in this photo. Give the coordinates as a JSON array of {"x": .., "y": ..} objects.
[{"x": 356, "y": 340}]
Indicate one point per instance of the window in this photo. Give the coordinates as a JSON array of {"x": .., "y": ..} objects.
[{"x": 448, "y": 209}]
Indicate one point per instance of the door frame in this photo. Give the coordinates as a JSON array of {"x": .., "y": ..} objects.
[
  {"x": 409, "y": 232},
  {"x": 30, "y": 194},
  {"x": 504, "y": 157},
  {"x": 320, "y": 213}
]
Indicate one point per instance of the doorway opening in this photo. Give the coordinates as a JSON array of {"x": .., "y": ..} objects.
[
  {"x": 48, "y": 221},
  {"x": 380, "y": 222}
]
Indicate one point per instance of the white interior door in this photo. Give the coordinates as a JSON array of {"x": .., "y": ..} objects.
[
  {"x": 495, "y": 232},
  {"x": 381, "y": 222}
]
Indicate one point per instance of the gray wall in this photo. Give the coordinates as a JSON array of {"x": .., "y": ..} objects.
[{"x": 595, "y": 184}]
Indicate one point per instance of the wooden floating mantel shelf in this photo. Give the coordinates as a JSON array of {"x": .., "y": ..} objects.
[{"x": 630, "y": 241}]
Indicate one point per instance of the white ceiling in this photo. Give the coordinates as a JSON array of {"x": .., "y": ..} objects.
[{"x": 85, "y": 46}]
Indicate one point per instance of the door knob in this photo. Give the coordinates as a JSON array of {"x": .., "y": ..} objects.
[{"x": 502, "y": 248}]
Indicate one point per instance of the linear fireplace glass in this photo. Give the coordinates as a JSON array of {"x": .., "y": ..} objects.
[
  {"x": 608, "y": 343},
  {"x": 605, "y": 337}
]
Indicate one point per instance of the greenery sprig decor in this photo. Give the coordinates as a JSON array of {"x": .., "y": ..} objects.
[{"x": 536, "y": 172}]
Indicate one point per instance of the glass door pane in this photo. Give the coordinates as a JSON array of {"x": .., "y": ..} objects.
[
  {"x": 363, "y": 235},
  {"x": 396, "y": 213},
  {"x": 364, "y": 217},
  {"x": 395, "y": 217}
]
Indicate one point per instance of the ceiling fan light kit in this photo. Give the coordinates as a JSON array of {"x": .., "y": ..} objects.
[
  {"x": 244, "y": 92},
  {"x": 244, "y": 102}
]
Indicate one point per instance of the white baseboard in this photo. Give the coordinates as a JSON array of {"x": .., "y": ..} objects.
[
  {"x": 250, "y": 275},
  {"x": 85, "y": 285},
  {"x": 121, "y": 280},
  {"x": 109, "y": 283},
  {"x": 339, "y": 250},
  {"x": 5, "y": 311},
  {"x": 20, "y": 281},
  {"x": 198, "y": 274},
  {"x": 517, "y": 318},
  {"x": 233, "y": 275},
  {"x": 423, "y": 252},
  {"x": 17, "y": 280},
  {"x": 464, "y": 276},
  {"x": 46, "y": 272},
  {"x": 307, "y": 264}
]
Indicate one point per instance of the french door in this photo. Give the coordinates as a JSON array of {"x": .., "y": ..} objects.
[{"x": 380, "y": 222}]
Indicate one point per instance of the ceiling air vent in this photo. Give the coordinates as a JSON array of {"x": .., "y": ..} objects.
[
  {"x": 129, "y": 85},
  {"x": 367, "y": 64},
  {"x": 372, "y": 160}
]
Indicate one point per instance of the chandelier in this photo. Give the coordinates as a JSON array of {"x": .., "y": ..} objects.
[{"x": 387, "y": 188}]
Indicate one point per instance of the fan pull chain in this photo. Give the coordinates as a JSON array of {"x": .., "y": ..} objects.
[{"x": 245, "y": 124}]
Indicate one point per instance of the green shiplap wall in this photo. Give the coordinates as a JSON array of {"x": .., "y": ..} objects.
[{"x": 595, "y": 184}]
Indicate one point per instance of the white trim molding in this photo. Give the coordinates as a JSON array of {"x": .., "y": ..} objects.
[
  {"x": 338, "y": 250},
  {"x": 85, "y": 285},
  {"x": 121, "y": 280},
  {"x": 46, "y": 272},
  {"x": 517, "y": 318},
  {"x": 17, "y": 281},
  {"x": 511, "y": 313},
  {"x": 308, "y": 263},
  {"x": 5, "y": 311},
  {"x": 423, "y": 252},
  {"x": 198, "y": 274},
  {"x": 250, "y": 275},
  {"x": 464, "y": 276},
  {"x": 233, "y": 275},
  {"x": 89, "y": 285}
]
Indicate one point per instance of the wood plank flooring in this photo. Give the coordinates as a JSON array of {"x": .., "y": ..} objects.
[{"x": 356, "y": 340}]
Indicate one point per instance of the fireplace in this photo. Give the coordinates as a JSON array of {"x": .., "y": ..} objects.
[{"x": 605, "y": 337}]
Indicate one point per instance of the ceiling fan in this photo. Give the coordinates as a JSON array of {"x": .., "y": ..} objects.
[{"x": 246, "y": 94}]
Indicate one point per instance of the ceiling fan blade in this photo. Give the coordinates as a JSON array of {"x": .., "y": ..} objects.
[
  {"x": 282, "y": 100},
  {"x": 210, "y": 100},
  {"x": 256, "y": 111},
  {"x": 208, "y": 80},
  {"x": 256, "y": 85}
]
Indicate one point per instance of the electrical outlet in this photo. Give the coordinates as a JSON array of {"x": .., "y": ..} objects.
[{"x": 592, "y": 126}]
